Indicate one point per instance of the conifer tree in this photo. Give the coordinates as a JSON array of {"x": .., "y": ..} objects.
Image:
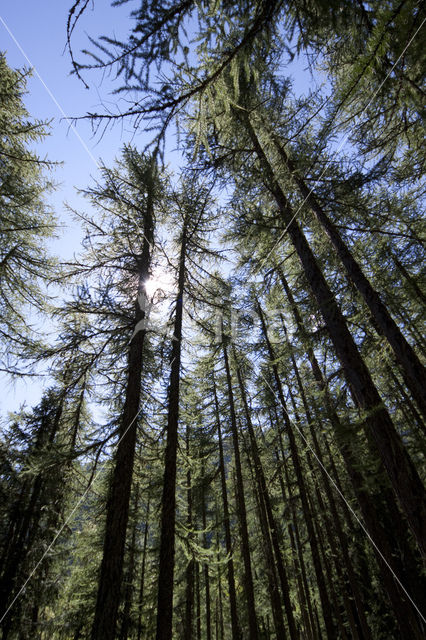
[
  {"x": 26, "y": 222},
  {"x": 192, "y": 210},
  {"x": 42, "y": 447},
  {"x": 255, "y": 468},
  {"x": 145, "y": 186}
]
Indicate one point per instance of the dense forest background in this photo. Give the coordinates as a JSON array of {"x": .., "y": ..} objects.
[{"x": 232, "y": 441}]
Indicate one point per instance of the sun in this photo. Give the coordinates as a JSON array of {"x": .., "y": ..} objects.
[{"x": 159, "y": 282}]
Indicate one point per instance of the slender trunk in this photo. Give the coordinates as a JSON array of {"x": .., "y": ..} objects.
[
  {"x": 270, "y": 525},
  {"x": 322, "y": 514},
  {"x": 294, "y": 533},
  {"x": 409, "y": 278},
  {"x": 168, "y": 503},
  {"x": 405, "y": 355},
  {"x": 205, "y": 565},
  {"x": 298, "y": 559},
  {"x": 381, "y": 515},
  {"x": 328, "y": 575},
  {"x": 410, "y": 323},
  {"x": 236, "y": 633},
  {"x": 241, "y": 508},
  {"x": 198, "y": 591},
  {"x": 128, "y": 592},
  {"x": 143, "y": 569},
  {"x": 325, "y": 603},
  {"x": 273, "y": 588},
  {"x": 343, "y": 542},
  {"x": 27, "y": 524},
  {"x": 189, "y": 573},
  {"x": 220, "y": 628},
  {"x": 111, "y": 573},
  {"x": 402, "y": 473},
  {"x": 421, "y": 426}
]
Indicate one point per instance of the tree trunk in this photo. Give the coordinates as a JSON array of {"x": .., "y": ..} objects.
[
  {"x": 190, "y": 567},
  {"x": 26, "y": 524},
  {"x": 143, "y": 568},
  {"x": 270, "y": 525},
  {"x": 128, "y": 592},
  {"x": 235, "y": 625},
  {"x": 409, "y": 278},
  {"x": 241, "y": 507},
  {"x": 293, "y": 532},
  {"x": 274, "y": 594},
  {"x": 168, "y": 502},
  {"x": 111, "y": 573},
  {"x": 343, "y": 542},
  {"x": 405, "y": 355},
  {"x": 198, "y": 591},
  {"x": 325, "y": 603},
  {"x": 220, "y": 627},
  {"x": 205, "y": 565},
  {"x": 376, "y": 513},
  {"x": 402, "y": 473}
]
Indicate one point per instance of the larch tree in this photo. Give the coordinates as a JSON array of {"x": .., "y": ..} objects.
[
  {"x": 26, "y": 222},
  {"x": 254, "y": 462}
]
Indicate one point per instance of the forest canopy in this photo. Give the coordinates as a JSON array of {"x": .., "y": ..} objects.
[{"x": 232, "y": 442}]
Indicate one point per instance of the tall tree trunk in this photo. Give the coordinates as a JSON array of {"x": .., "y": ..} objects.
[
  {"x": 409, "y": 278},
  {"x": 198, "y": 601},
  {"x": 402, "y": 473},
  {"x": 270, "y": 525},
  {"x": 273, "y": 588},
  {"x": 220, "y": 627},
  {"x": 168, "y": 502},
  {"x": 128, "y": 592},
  {"x": 331, "y": 585},
  {"x": 343, "y": 542},
  {"x": 205, "y": 565},
  {"x": 235, "y": 625},
  {"x": 414, "y": 372},
  {"x": 241, "y": 508},
  {"x": 26, "y": 523},
  {"x": 325, "y": 603},
  {"x": 322, "y": 514},
  {"x": 143, "y": 568},
  {"x": 382, "y": 519},
  {"x": 421, "y": 426},
  {"x": 293, "y": 532},
  {"x": 111, "y": 573},
  {"x": 190, "y": 567}
]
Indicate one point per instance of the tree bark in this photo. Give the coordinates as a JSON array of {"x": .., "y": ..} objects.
[
  {"x": 128, "y": 592},
  {"x": 325, "y": 602},
  {"x": 382, "y": 519},
  {"x": 241, "y": 508},
  {"x": 205, "y": 565},
  {"x": 235, "y": 625},
  {"x": 168, "y": 502},
  {"x": 405, "y": 355},
  {"x": 270, "y": 525},
  {"x": 293, "y": 531},
  {"x": 402, "y": 473},
  {"x": 190, "y": 567},
  {"x": 343, "y": 543},
  {"x": 111, "y": 573},
  {"x": 143, "y": 568}
]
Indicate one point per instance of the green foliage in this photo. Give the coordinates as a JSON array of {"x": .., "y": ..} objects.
[
  {"x": 287, "y": 510},
  {"x": 25, "y": 222}
]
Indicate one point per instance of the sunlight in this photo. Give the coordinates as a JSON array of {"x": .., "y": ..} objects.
[{"x": 159, "y": 282}]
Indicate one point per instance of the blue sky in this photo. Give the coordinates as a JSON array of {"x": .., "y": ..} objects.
[
  {"x": 39, "y": 29},
  {"x": 38, "y": 32},
  {"x": 33, "y": 34}
]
